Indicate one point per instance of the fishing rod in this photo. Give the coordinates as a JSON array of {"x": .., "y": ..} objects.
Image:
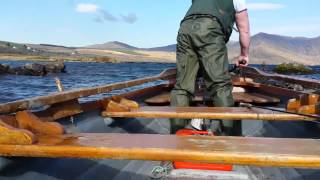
[{"x": 249, "y": 106}]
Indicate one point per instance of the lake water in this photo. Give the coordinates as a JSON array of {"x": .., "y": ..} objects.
[{"x": 80, "y": 75}]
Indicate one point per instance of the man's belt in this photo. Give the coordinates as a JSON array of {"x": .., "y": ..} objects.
[{"x": 196, "y": 16}]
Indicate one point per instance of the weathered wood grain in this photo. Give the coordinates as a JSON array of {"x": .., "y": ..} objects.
[
  {"x": 51, "y": 113},
  {"x": 29, "y": 121},
  {"x": 11, "y": 135},
  {"x": 61, "y": 110},
  {"x": 10, "y": 120},
  {"x": 78, "y": 93},
  {"x": 116, "y": 107},
  {"x": 129, "y": 103},
  {"x": 254, "y": 98},
  {"x": 234, "y": 113},
  {"x": 245, "y": 97},
  {"x": 300, "y": 153},
  {"x": 310, "y": 109},
  {"x": 305, "y": 104}
]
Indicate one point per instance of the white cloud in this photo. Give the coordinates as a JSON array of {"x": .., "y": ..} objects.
[
  {"x": 265, "y": 6},
  {"x": 87, "y": 8},
  {"x": 130, "y": 18},
  {"x": 103, "y": 15}
]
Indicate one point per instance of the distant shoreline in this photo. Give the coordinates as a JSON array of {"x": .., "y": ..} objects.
[
  {"x": 265, "y": 49},
  {"x": 108, "y": 59},
  {"x": 102, "y": 59}
]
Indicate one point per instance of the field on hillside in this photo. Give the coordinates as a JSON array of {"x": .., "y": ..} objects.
[{"x": 265, "y": 49}]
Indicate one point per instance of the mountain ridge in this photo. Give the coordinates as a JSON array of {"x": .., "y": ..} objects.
[
  {"x": 285, "y": 41},
  {"x": 265, "y": 48},
  {"x": 112, "y": 45}
]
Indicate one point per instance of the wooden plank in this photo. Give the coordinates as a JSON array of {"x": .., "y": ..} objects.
[
  {"x": 245, "y": 97},
  {"x": 12, "y": 135},
  {"x": 208, "y": 113},
  {"x": 314, "y": 99},
  {"x": 29, "y": 121},
  {"x": 310, "y": 109},
  {"x": 246, "y": 84},
  {"x": 265, "y": 98},
  {"x": 254, "y": 98},
  {"x": 278, "y": 91},
  {"x": 300, "y": 153},
  {"x": 163, "y": 98},
  {"x": 116, "y": 107},
  {"x": 10, "y": 120},
  {"x": 61, "y": 110},
  {"x": 305, "y": 104},
  {"x": 78, "y": 93},
  {"x": 51, "y": 115}
]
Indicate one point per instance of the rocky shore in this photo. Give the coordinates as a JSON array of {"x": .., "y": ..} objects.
[
  {"x": 34, "y": 69},
  {"x": 293, "y": 68}
]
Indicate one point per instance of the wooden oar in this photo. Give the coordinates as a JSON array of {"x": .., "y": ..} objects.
[
  {"x": 235, "y": 113},
  {"x": 247, "y": 105},
  {"x": 256, "y": 73},
  {"x": 300, "y": 153},
  {"x": 79, "y": 93}
]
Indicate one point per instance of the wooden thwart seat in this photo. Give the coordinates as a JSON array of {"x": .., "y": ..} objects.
[
  {"x": 207, "y": 113},
  {"x": 244, "y": 97},
  {"x": 300, "y": 153},
  {"x": 254, "y": 98}
]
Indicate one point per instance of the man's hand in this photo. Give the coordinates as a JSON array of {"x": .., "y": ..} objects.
[{"x": 242, "y": 61}]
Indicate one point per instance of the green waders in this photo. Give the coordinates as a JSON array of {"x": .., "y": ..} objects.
[{"x": 201, "y": 43}]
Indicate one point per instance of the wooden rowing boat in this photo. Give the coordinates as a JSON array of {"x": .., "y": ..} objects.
[{"x": 46, "y": 133}]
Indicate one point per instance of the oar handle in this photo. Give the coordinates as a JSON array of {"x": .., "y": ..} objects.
[{"x": 235, "y": 68}]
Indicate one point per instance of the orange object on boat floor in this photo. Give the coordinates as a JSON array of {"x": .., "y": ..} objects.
[{"x": 199, "y": 166}]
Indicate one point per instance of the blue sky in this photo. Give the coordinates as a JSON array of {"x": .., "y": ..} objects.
[{"x": 142, "y": 23}]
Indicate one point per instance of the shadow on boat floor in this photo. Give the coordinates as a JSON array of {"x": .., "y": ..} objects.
[
  {"x": 47, "y": 169},
  {"x": 282, "y": 130}
]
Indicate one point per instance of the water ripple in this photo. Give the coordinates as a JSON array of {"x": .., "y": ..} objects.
[{"x": 79, "y": 75}]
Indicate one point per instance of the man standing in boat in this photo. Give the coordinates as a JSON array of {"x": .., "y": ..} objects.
[{"x": 201, "y": 43}]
